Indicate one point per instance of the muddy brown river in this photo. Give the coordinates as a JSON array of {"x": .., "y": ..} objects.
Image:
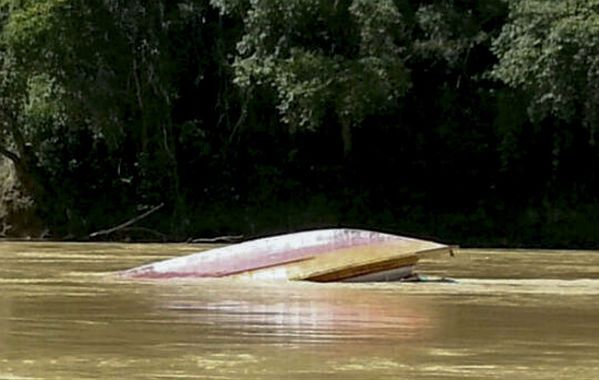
[{"x": 510, "y": 315}]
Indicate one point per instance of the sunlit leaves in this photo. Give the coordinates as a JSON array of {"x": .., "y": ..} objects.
[
  {"x": 551, "y": 50},
  {"x": 343, "y": 57}
]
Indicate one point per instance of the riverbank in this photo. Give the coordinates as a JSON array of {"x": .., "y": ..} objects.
[{"x": 555, "y": 227}]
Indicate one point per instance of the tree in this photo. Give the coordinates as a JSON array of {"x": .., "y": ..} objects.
[
  {"x": 109, "y": 91},
  {"x": 13, "y": 87},
  {"x": 550, "y": 50},
  {"x": 319, "y": 58}
]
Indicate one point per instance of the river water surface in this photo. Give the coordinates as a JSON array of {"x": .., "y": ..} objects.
[{"x": 511, "y": 314}]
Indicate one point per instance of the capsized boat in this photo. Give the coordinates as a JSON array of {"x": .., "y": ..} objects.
[{"x": 321, "y": 255}]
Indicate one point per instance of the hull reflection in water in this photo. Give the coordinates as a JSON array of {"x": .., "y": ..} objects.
[
  {"x": 321, "y": 256},
  {"x": 303, "y": 314}
]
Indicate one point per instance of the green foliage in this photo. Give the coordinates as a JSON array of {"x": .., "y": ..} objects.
[
  {"x": 101, "y": 69},
  {"x": 550, "y": 49},
  {"x": 447, "y": 33},
  {"x": 344, "y": 58},
  {"x": 85, "y": 51},
  {"x": 230, "y": 111}
]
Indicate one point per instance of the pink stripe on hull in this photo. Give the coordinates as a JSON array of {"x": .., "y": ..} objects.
[{"x": 239, "y": 262}]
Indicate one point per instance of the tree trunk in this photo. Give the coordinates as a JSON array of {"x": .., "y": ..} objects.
[{"x": 346, "y": 137}]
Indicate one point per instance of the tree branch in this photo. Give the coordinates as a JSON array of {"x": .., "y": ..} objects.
[
  {"x": 10, "y": 155},
  {"x": 127, "y": 223},
  {"x": 218, "y": 239}
]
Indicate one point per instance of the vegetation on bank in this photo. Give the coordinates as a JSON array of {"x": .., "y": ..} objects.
[{"x": 468, "y": 121}]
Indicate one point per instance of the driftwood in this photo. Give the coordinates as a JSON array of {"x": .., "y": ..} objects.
[
  {"x": 127, "y": 223},
  {"x": 218, "y": 239}
]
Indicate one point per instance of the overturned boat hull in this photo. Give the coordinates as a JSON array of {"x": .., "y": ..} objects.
[{"x": 321, "y": 255}]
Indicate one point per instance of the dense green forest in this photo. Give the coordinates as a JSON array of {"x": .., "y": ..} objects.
[{"x": 471, "y": 122}]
